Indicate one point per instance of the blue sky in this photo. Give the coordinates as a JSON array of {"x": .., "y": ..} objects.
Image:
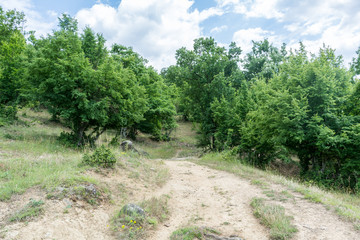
[{"x": 157, "y": 28}]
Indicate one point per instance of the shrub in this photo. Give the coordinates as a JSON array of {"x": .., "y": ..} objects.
[
  {"x": 31, "y": 210},
  {"x": 102, "y": 157},
  {"x": 67, "y": 139},
  {"x": 7, "y": 114}
]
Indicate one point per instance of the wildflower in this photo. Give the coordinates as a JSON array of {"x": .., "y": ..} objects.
[
  {"x": 135, "y": 222},
  {"x": 123, "y": 226},
  {"x": 130, "y": 228},
  {"x": 131, "y": 221}
]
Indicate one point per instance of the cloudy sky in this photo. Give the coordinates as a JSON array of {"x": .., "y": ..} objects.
[{"x": 157, "y": 28}]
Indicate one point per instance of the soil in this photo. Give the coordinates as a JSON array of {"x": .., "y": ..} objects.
[{"x": 198, "y": 196}]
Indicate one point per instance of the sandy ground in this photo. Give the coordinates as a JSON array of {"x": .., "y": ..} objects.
[{"x": 198, "y": 196}]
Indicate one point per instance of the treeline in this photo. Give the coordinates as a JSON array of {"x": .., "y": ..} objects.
[
  {"x": 267, "y": 105},
  {"x": 83, "y": 84},
  {"x": 273, "y": 104}
]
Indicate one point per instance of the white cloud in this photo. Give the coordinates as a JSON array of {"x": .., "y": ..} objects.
[
  {"x": 244, "y": 38},
  {"x": 34, "y": 20},
  {"x": 155, "y": 29},
  {"x": 253, "y": 8},
  {"x": 314, "y": 22},
  {"x": 333, "y": 23},
  {"x": 218, "y": 29}
]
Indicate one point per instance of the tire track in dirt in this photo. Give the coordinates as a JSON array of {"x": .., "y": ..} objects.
[{"x": 205, "y": 197}]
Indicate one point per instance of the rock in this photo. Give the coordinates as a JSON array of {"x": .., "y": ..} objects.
[
  {"x": 216, "y": 237},
  {"x": 91, "y": 190},
  {"x": 127, "y": 145},
  {"x": 133, "y": 210}
]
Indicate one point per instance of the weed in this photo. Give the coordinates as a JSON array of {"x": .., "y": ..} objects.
[
  {"x": 134, "y": 225},
  {"x": 31, "y": 210},
  {"x": 190, "y": 233},
  {"x": 102, "y": 157},
  {"x": 273, "y": 216}
]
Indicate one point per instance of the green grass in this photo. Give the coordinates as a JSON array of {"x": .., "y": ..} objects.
[
  {"x": 273, "y": 216},
  {"x": 31, "y": 156},
  {"x": 191, "y": 232},
  {"x": 31, "y": 210}
]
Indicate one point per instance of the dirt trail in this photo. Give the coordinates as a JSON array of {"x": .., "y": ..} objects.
[
  {"x": 205, "y": 197},
  {"x": 198, "y": 196}
]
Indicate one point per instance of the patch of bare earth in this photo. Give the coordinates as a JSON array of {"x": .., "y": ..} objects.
[
  {"x": 205, "y": 197},
  {"x": 198, "y": 196},
  {"x": 69, "y": 219}
]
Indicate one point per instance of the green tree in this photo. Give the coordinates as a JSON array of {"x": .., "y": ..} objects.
[
  {"x": 264, "y": 60},
  {"x": 88, "y": 100},
  {"x": 206, "y": 71},
  {"x": 159, "y": 119},
  {"x": 93, "y": 47},
  {"x": 12, "y": 46}
]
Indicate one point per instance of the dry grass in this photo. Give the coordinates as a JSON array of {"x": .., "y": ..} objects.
[{"x": 273, "y": 216}]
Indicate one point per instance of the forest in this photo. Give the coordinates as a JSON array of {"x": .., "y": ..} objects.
[{"x": 266, "y": 105}]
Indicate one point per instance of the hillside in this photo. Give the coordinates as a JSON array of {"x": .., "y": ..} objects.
[{"x": 47, "y": 194}]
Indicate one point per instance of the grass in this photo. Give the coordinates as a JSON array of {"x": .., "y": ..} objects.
[
  {"x": 31, "y": 210},
  {"x": 36, "y": 159},
  {"x": 343, "y": 204},
  {"x": 136, "y": 226},
  {"x": 273, "y": 216},
  {"x": 191, "y": 232},
  {"x": 31, "y": 156},
  {"x": 182, "y": 144}
]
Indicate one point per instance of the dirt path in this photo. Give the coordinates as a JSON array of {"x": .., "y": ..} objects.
[
  {"x": 199, "y": 196},
  {"x": 205, "y": 197}
]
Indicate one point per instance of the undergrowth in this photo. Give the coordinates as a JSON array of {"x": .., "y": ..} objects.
[
  {"x": 273, "y": 216},
  {"x": 134, "y": 225},
  {"x": 33, "y": 209}
]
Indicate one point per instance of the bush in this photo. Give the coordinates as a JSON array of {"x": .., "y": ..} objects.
[
  {"x": 67, "y": 139},
  {"x": 7, "y": 114},
  {"x": 102, "y": 157}
]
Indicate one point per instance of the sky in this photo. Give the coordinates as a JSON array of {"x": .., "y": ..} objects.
[{"x": 157, "y": 28}]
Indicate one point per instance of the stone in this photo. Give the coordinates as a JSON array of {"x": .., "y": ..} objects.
[
  {"x": 127, "y": 145},
  {"x": 133, "y": 210}
]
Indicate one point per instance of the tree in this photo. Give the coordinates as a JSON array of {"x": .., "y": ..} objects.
[
  {"x": 206, "y": 71},
  {"x": 303, "y": 108},
  {"x": 263, "y": 60},
  {"x": 159, "y": 118},
  {"x": 93, "y": 47},
  {"x": 88, "y": 100},
  {"x": 12, "y": 46}
]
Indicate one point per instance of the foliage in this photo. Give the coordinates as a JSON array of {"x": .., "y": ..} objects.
[
  {"x": 102, "y": 157},
  {"x": 158, "y": 119},
  {"x": 202, "y": 75},
  {"x": 264, "y": 60},
  {"x": 33, "y": 209},
  {"x": 7, "y": 114},
  {"x": 12, "y": 72}
]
